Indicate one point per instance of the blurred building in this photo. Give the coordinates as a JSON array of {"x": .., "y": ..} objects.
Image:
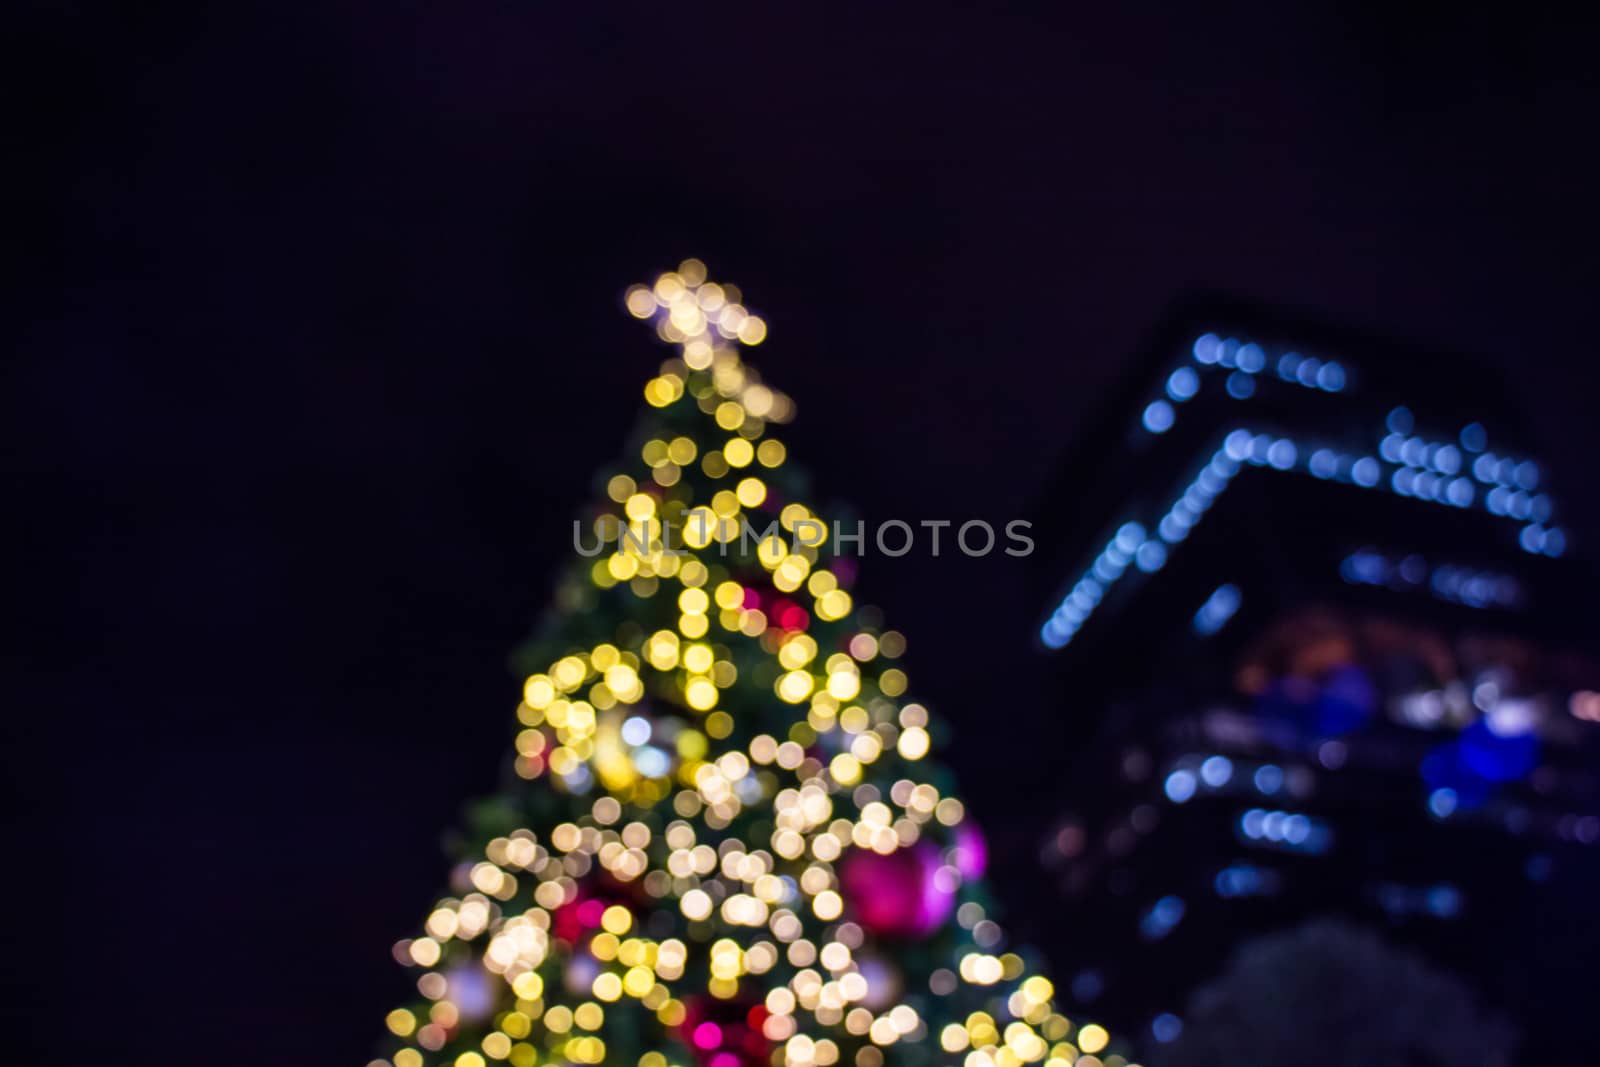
[{"x": 1323, "y": 646}]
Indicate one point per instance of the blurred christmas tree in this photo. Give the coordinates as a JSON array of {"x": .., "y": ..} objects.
[{"x": 725, "y": 845}]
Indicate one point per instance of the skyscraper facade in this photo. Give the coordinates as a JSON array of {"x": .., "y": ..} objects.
[{"x": 1327, "y": 646}]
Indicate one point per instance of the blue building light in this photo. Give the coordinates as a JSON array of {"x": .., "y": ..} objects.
[
  {"x": 1150, "y": 557},
  {"x": 1216, "y": 771},
  {"x": 1246, "y": 880},
  {"x": 1285, "y": 830},
  {"x": 1219, "y": 607},
  {"x": 1159, "y": 416},
  {"x": 1495, "y": 756},
  {"x": 1268, "y": 779},
  {"x": 1183, "y": 384},
  {"x": 1180, "y": 786},
  {"x": 1162, "y": 918},
  {"x": 1429, "y": 471}
]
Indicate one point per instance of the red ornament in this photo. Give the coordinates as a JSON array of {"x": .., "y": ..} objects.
[
  {"x": 565, "y": 924},
  {"x": 569, "y": 921},
  {"x": 788, "y": 615}
]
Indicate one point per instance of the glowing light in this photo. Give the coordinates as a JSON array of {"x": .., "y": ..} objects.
[
  {"x": 1216, "y": 771},
  {"x": 1158, "y": 416},
  {"x": 1150, "y": 556},
  {"x": 1180, "y": 786},
  {"x": 1219, "y": 607},
  {"x": 1442, "y": 802},
  {"x": 1289, "y": 831},
  {"x": 1163, "y": 916},
  {"x": 1183, "y": 384}
]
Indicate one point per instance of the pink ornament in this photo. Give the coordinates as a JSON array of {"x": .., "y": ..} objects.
[
  {"x": 899, "y": 895},
  {"x": 725, "y": 1033},
  {"x": 971, "y": 852},
  {"x": 590, "y": 911},
  {"x": 708, "y": 1035}
]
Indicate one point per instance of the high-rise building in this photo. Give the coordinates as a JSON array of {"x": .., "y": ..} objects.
[{"x": 1326, "y": 647}]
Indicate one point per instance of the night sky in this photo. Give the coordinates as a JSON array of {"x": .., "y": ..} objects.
[{"x": 316, "y": 344}]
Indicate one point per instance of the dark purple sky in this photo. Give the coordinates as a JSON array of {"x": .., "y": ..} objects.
[{"x": 320, "y": 345}]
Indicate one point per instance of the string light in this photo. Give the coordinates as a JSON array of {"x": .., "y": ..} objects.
[
  {"x": 1432, "y": 472},
  {"x": 1473, "y": 587}
]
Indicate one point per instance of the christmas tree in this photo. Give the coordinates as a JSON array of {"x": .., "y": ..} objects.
[{"x": 724, "y": 844}]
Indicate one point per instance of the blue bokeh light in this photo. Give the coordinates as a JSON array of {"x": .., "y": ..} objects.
[{"x": 1159, "y": 416}]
